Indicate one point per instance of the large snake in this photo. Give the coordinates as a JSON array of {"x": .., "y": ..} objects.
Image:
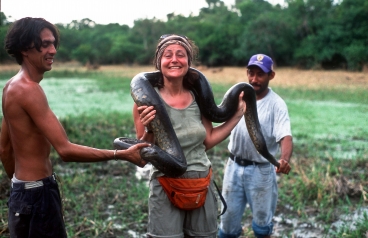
[{"x": 167, "y": 155}]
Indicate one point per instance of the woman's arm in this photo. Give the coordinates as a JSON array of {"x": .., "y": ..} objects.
[{"x": 215, "y": 135}]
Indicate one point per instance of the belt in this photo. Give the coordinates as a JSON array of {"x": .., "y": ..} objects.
[
  {"x": 36, "y": 184},
  {"x": 243, "y": 162}
]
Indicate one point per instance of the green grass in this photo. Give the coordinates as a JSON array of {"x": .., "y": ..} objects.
[{"x": 330, "y": 133}]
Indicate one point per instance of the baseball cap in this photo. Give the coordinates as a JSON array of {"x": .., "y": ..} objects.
[{"x": 262, "y": 61}]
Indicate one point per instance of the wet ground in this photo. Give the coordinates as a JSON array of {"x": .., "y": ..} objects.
[{"x": 286, "y": 227}]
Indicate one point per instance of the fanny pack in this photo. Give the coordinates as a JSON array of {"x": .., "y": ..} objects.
[{"x": 186, "y": 193}]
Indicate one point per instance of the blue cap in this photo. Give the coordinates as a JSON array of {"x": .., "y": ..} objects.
[{"x": 262, "y": 61}]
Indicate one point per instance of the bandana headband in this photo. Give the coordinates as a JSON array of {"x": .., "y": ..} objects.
[{"x": 170, "y": 40}]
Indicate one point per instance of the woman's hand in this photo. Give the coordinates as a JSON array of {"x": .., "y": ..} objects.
[{"x": 146, "y": 114}]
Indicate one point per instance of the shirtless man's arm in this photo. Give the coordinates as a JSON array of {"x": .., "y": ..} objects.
[{"x": 32, "y": 126}]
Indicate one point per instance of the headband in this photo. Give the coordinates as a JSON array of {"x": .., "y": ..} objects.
[{"x": 170, "y": 40}]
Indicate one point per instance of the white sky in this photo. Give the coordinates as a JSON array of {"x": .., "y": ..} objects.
[{"x": 103, "y": 11}]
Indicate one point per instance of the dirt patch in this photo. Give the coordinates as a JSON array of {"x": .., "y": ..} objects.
[
  {"x": 285, "y": 77},
  {"x": 290, "y": 77}
]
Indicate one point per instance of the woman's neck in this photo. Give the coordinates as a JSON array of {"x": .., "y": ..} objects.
[{"x": 176, "y": 96}]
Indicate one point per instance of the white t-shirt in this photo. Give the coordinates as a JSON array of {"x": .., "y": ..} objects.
[{"x": 275, "y": 123}]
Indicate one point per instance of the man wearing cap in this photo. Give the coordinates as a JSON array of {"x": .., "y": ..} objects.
[{"x": 249, "y": 178}]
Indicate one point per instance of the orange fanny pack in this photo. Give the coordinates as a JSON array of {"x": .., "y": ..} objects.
[{"x": 186, "y": 194}]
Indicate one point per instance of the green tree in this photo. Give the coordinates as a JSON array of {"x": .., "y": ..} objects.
[
  {"x": 146, "y": 33},
  {"x": 304, "y": 33},
  {"x": 266, "y": 29},
  {"x": 83, "y": 24},
  {"x": 76, "y": 41},
  {"x": 215, "y": 31},
  {"x": 70, "y": 39},
  {"x": 310, "y": 20},
  {"x": 4, "y": 24},
  {"x": 84, "y": 53},
  {"x": 3, "y": 19},
  {"x": 331, "y": 35},
  {"x": 352, "y": 15},
  {"x": 124, "y": 51}
]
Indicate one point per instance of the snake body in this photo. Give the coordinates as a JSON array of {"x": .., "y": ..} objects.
[{"x": 167, "y": 155}]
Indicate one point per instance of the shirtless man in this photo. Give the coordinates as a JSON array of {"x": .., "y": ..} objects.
[{"x": 29, "y": 129}]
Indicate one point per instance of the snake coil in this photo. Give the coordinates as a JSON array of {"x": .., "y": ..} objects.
[{"x": 167, "y": 155}]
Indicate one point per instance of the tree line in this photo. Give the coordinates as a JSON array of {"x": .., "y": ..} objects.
[{"x": 326, "y": 34}]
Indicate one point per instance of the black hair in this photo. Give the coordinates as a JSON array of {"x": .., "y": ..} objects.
[{"x": 24, "y": 34}]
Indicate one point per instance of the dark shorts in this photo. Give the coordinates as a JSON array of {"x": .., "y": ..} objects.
[{"x": 35, "y": 210}]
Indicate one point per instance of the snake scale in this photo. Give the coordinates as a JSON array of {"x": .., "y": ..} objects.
[{"x": 167, "y": 155}]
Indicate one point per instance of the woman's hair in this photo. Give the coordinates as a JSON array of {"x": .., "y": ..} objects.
[
  {"x": 24, "y": 34},
  {"x": 192, "y": 52}
]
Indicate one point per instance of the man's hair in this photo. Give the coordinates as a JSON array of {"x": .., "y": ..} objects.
[{"x": 24, "y": 34}]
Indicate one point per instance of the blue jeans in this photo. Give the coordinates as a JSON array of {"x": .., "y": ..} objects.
[
  {"x": 37, "y": 211},
  {"x": 252, "y": 184}
]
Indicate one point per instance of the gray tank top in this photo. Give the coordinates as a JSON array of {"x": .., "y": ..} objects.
[{"x": 191, "y": 133}]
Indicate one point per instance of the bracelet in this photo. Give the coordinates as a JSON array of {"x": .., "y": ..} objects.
[
  {"x": 115, "y": 155},
  {"x": 147, "y": 130}
]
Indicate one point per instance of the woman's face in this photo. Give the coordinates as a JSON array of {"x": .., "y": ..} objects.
[{"x": 174, "y": 62}]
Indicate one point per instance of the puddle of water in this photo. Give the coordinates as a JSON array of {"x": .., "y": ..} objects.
[
  {"x": 313, "y": 228},
  {"x": 284, "y": 226},
  {"x": 134, "y": 234},
  {"x": 350, "y": 220}
]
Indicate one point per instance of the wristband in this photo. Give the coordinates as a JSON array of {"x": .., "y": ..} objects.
[
  {"x": 115, "y": 155},
  {"x": 147, "y": 130}
]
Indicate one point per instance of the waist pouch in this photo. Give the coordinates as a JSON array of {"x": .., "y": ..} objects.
[{"x": 186, "y": 194}]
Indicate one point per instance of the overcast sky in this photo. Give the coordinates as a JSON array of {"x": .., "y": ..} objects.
[{"x": 103, "y": 11}]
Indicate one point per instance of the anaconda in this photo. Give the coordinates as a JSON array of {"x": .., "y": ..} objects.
[{"x": 167, "y": 155}]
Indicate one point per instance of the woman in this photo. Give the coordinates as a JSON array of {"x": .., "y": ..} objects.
[{"x": 174, "y": 55}]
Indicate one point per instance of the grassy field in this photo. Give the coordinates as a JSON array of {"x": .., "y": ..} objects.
[{"x": 328, "y": 111}]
